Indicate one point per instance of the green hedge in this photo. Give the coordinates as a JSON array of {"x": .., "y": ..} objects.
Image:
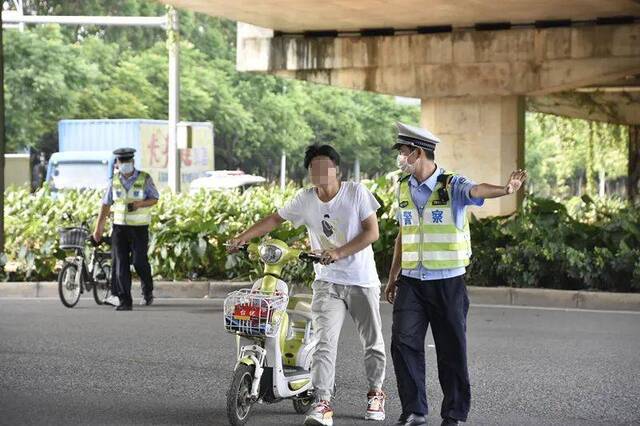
[
  {"x": 598, "y": 248},
  {"x": 592, "y": 246}
]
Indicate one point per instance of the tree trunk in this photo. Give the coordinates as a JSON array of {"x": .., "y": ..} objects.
[
  {"x": 633, "y": 180},
  {"x": 590, "y": 190}
]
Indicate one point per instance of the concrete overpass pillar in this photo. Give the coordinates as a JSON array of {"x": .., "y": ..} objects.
[{"x": 482, "y": 138}]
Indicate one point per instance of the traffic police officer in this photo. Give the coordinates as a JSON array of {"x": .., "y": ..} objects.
[
  {"x": 426, "y": 282},
  {"x": 130, "y": 195}
]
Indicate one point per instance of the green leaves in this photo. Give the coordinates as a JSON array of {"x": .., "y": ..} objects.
[
  {"x": 593, "y": 245},
  {"x": 55, "y": 73},
  {"x": 545, "y": 246}
]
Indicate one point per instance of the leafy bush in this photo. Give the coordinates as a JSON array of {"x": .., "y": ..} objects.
[
  {"x": 544, "y": 246},
  {"x": 594, "y": 245}
]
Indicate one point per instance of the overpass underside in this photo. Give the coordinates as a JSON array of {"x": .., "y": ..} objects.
[{"x": 475, "y": 79}]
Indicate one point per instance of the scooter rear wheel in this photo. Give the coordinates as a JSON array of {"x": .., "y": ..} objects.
[{"x": 239, "y": 402}]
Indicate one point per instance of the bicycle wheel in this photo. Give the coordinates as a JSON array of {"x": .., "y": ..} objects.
[
  {"x": 68, "y": 289},
  {"x": 102, "y": 286}
]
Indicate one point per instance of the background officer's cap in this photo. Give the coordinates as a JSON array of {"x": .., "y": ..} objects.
[
  {"x": 124, "y": 154},
  {"x": 415, "y": 136}
]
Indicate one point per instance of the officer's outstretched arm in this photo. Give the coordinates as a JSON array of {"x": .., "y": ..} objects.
[{"x": 486, "y": 190}]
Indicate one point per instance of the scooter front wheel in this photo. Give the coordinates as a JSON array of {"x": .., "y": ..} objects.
[{"x": 239, "y": 401}]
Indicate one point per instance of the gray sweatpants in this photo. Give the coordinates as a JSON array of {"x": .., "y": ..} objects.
[{"x": 329, "y": 307}]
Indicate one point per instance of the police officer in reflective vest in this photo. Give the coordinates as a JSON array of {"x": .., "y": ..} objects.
[
  {"x": 130, "y": 195},
  {"x": 426, "y": 282}
]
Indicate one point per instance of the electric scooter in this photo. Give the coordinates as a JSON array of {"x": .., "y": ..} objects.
[{"x": 275, "y": 362}]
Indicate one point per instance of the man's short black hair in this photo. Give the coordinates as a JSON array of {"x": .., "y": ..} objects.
[{"x": 314, "y": 151}]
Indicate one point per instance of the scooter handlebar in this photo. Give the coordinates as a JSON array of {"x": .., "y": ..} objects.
[
  {"x": 243, "y": 248},
  {"x": 310, "y": 257}
]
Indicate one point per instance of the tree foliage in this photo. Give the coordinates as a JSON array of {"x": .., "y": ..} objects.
[{"x": 55, "y": 73}]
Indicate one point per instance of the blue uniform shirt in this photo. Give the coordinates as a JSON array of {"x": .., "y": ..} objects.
[
  {"x": 150, "y": 191},
  {"x": 460, "y": 188}
]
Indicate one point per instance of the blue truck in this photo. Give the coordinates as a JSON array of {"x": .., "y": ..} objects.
[{"x": 85, "y": 159}]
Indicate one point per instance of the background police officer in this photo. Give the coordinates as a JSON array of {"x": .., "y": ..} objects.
[
  {"x": 426, "y": 281},
  {"x": 130, "y": 195}
]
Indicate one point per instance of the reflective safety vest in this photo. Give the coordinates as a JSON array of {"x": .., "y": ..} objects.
[
  {"x": 432, "y": 239},
  {"x": 122, "y": 197}
]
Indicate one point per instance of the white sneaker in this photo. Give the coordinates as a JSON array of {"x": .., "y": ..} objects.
[
  {"x": 375, "y": 406},
  {"x": 112, "y": 300},
  {"x": 320, "y": 414}
]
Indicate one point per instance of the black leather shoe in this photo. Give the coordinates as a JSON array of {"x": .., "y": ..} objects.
[
  {"x": 401, "y": 421},
  {"x": 415, "y": 420},
  {"x": 146, "y": 301},
  {"x": 449, "y": 422},
  {"x": 124, "y": 308}
]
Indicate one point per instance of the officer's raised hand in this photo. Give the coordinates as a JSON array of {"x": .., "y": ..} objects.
[
  {"x": 487, "y": 190},
  {"x": 516, "y": 180}
]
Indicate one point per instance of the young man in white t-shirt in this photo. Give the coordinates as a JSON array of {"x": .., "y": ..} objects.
[{"x": 342, "y": 224}]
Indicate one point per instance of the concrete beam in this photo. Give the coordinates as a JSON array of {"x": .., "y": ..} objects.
[
  {"x": 462, "y": 63},
  {"x": 611, "y": 107},
  {"x": 350, "y": 15}
]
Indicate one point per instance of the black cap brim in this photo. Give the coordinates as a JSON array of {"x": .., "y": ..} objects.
[{"x": 397, "y": 145}]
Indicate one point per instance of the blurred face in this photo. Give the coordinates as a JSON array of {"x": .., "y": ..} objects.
[
  {"x": 322, "y": 171},
  {"x": 407, "y": 158},
  {"x": 125, "y": 167},
  {"x": 406, "y": 152}
]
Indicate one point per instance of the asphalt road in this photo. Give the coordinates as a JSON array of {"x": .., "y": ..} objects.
[{"x": 171, "y": 363}]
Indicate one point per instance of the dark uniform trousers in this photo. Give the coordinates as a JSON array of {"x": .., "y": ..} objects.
[
  {"x": 443, "y": 304},
  {"x": 127, "y": 241}
]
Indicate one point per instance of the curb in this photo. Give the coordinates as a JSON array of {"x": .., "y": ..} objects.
[{"x": 535, "y": 297}]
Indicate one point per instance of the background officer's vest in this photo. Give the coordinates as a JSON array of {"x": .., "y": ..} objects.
[
  {"x": 432, "y": 239},
  {"x": 122, "y": 197}
]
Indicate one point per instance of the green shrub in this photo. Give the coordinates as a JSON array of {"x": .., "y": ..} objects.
[{"x": 589, "y": 245}]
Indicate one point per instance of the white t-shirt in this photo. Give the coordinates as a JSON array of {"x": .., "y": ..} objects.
[{"x": 334, "y": 224}]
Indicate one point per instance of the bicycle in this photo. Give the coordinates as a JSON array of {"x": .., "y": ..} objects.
[{"x": 95, "y": 273}]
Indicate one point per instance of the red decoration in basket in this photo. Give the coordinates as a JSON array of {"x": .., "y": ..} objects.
[{"x": 246, "y": 311}]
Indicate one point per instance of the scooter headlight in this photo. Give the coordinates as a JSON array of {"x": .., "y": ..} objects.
[{"x": 270, "y": 254}]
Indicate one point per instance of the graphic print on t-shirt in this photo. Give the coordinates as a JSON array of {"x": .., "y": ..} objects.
[
  {"x": 332, "y": 237},
  {"x": 327, "y": 228}
]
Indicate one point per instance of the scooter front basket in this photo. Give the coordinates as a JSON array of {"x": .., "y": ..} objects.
[{"x": 254, "y": 314}]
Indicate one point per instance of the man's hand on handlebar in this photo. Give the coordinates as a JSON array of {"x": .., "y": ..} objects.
[
  {"x": 234, "y": 245},
  {"x": 329, "y": 256}
]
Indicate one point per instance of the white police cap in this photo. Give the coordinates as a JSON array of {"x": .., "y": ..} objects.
[{"x": 415, "y": 136}]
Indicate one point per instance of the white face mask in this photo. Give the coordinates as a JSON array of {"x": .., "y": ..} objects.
[
  {"x": 404, "y": 165},
  {"x": 126, "y": 168}
]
